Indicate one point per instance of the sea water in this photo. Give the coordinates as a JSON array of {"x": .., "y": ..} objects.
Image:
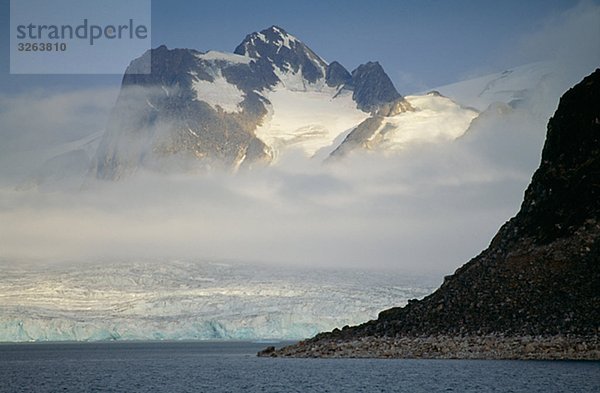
[{"x": 233, "y": 367}]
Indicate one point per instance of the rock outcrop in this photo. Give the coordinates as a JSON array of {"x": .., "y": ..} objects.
[
  {"x": 337, "y": 75},
  {"x": 372, "y": 87},
  {"x": 535, "y": 291}
]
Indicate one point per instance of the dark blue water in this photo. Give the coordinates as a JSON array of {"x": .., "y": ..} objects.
[{"x": 233, "y": 367}]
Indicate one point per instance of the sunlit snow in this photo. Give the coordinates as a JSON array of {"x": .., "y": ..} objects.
[
  {"x": 219, "y": 93},
  {"x": 307, "y": 120},
  {"x": 435, "y": 119},
  {"x": 508, "y": 86}
]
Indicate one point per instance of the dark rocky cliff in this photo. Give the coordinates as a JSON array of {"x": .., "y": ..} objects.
[
  {"x": 540, "y": 276},
  {"x": 372, "y": 87}
]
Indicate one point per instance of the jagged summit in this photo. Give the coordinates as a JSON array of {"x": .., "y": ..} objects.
[
  {"x": 166, "y": 64},
  {"x": 273, "y": 36},
  {"x": 286, "y": 52},
  {"x": 337, "y": 75},
  {"x": 372, "y": 86}
]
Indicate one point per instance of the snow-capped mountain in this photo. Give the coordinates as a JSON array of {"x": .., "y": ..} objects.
[
  {"x": 247, "y": 108},
  {"x": 285, "y": 54},
  {"x": 179, "y": 300},
  {"x": 274, "y": 95}
]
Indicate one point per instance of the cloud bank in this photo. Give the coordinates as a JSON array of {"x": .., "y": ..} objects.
[{"x": 428, "y": 209}]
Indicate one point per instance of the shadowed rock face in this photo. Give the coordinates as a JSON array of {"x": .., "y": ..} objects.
[
  {"x": 541, "y": 272},
  {"x": 337, "y": 75},
  {"x": 565, "y": 190},
  {"x": 372, "y": 87}
]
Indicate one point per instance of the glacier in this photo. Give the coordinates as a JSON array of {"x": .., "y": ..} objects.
[
  {"x": 307, "y": 120},
  {"x": 184, "y": 300}
]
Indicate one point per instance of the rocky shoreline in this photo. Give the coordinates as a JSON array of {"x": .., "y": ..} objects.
[{"x": 490, "y": 347}]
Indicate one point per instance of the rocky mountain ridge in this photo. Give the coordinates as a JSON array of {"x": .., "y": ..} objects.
[{"x": 538, "y": 279}]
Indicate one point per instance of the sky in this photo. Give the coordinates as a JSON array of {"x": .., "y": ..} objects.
[
  {"x": 421, "y": 43},
  {"x": 428, "y": 210}
]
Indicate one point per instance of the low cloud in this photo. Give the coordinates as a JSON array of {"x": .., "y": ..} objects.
[
  {"x": 32, "y": 120},
  {"x": 35, "y": 126},
  {"x": 428, "y": 209}
]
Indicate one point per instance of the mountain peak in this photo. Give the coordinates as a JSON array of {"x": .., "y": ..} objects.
[
  {"x": 278, "y": 31},
  {"x": 337, "y": 75},
  {"x": 284, "y": 51},
  {"x": 272, "y": 36},
  {"x": 372, "y": 86}
]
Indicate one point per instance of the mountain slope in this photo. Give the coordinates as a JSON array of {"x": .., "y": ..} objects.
[
  {"x": 539, "y": 276},
  {"x": 156, "y": 126},
  {"x": 512, "y": 86},
  {"x": 428, "y": 118},
  {"x": 178, "y": 112}
]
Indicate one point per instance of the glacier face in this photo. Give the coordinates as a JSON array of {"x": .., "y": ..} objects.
[{"x": 180, "y": 300}]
